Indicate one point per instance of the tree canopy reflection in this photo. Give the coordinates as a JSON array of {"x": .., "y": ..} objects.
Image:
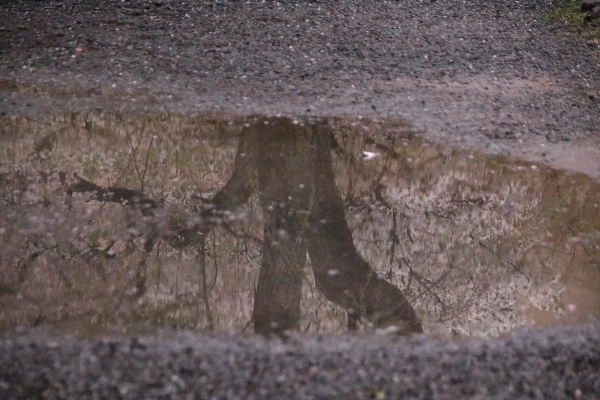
[{"x": 120, "y": 222}]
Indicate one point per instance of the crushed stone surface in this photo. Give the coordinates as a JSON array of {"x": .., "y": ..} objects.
[
  {"x": 495, "y": 75},
  {"x": 558, "y": 363},
  {"x": 491, "y": 74}
]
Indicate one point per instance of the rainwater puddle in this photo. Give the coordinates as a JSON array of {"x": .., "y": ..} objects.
[{"x": 126, "y": 224}]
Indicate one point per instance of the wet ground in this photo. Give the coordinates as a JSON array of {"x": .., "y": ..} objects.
[
  {"x": 501, "y": 76},
  {"x": 409, "y": 167},
  {"x": 558, "y": 363}
]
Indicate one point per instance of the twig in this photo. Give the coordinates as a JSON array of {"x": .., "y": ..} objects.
[{"x": 204, "y": 284}]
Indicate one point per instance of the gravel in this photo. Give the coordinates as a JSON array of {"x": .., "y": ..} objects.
[
  {"x": 492, "y": 74},
  {"x": 496, "y": 74},
  {"x": 559, "y": 363}
]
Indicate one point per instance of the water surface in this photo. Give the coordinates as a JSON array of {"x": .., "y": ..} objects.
[{"x": 114, "y": 223}]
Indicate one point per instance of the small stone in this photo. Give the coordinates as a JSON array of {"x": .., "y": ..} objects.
[
  {"x": 587, "y": 5},
  {"x": 593, "y": 43},
  {"x": 595, "y": 13}
]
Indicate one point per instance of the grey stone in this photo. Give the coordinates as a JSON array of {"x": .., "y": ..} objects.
[{"x": 587, "y": 5}]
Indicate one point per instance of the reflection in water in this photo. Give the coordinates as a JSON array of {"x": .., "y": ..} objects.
[
  {"x": 128, "y": 224},
  {"x": 303, "y": 210}
]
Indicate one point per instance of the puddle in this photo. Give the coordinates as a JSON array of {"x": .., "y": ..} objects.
[{"x": 126, "y": 224}]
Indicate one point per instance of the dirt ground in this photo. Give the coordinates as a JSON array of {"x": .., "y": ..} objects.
[
  {"x": 500, "y": 76},
  {"x": 493, "y": 75}
]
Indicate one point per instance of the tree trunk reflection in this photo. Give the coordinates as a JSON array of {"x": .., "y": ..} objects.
[{"x": 291, "y": 168}]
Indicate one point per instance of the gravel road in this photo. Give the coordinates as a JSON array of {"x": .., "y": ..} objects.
[
  {"x": 493, "y": 74},
  {"x": 497, "y": 75},
  {"x": 559, "y": 363}
]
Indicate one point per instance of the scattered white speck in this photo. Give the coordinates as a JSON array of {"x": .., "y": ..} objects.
[
  {"x": 368, "y": 155},
  {"x": 387, "y": 330}
]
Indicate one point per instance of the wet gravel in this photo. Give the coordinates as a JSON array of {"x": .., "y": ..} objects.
[
  {"x": 488, "y": 73},
  {"x": 560, "y": 363},
  {"x": 491, "y": 74}
]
